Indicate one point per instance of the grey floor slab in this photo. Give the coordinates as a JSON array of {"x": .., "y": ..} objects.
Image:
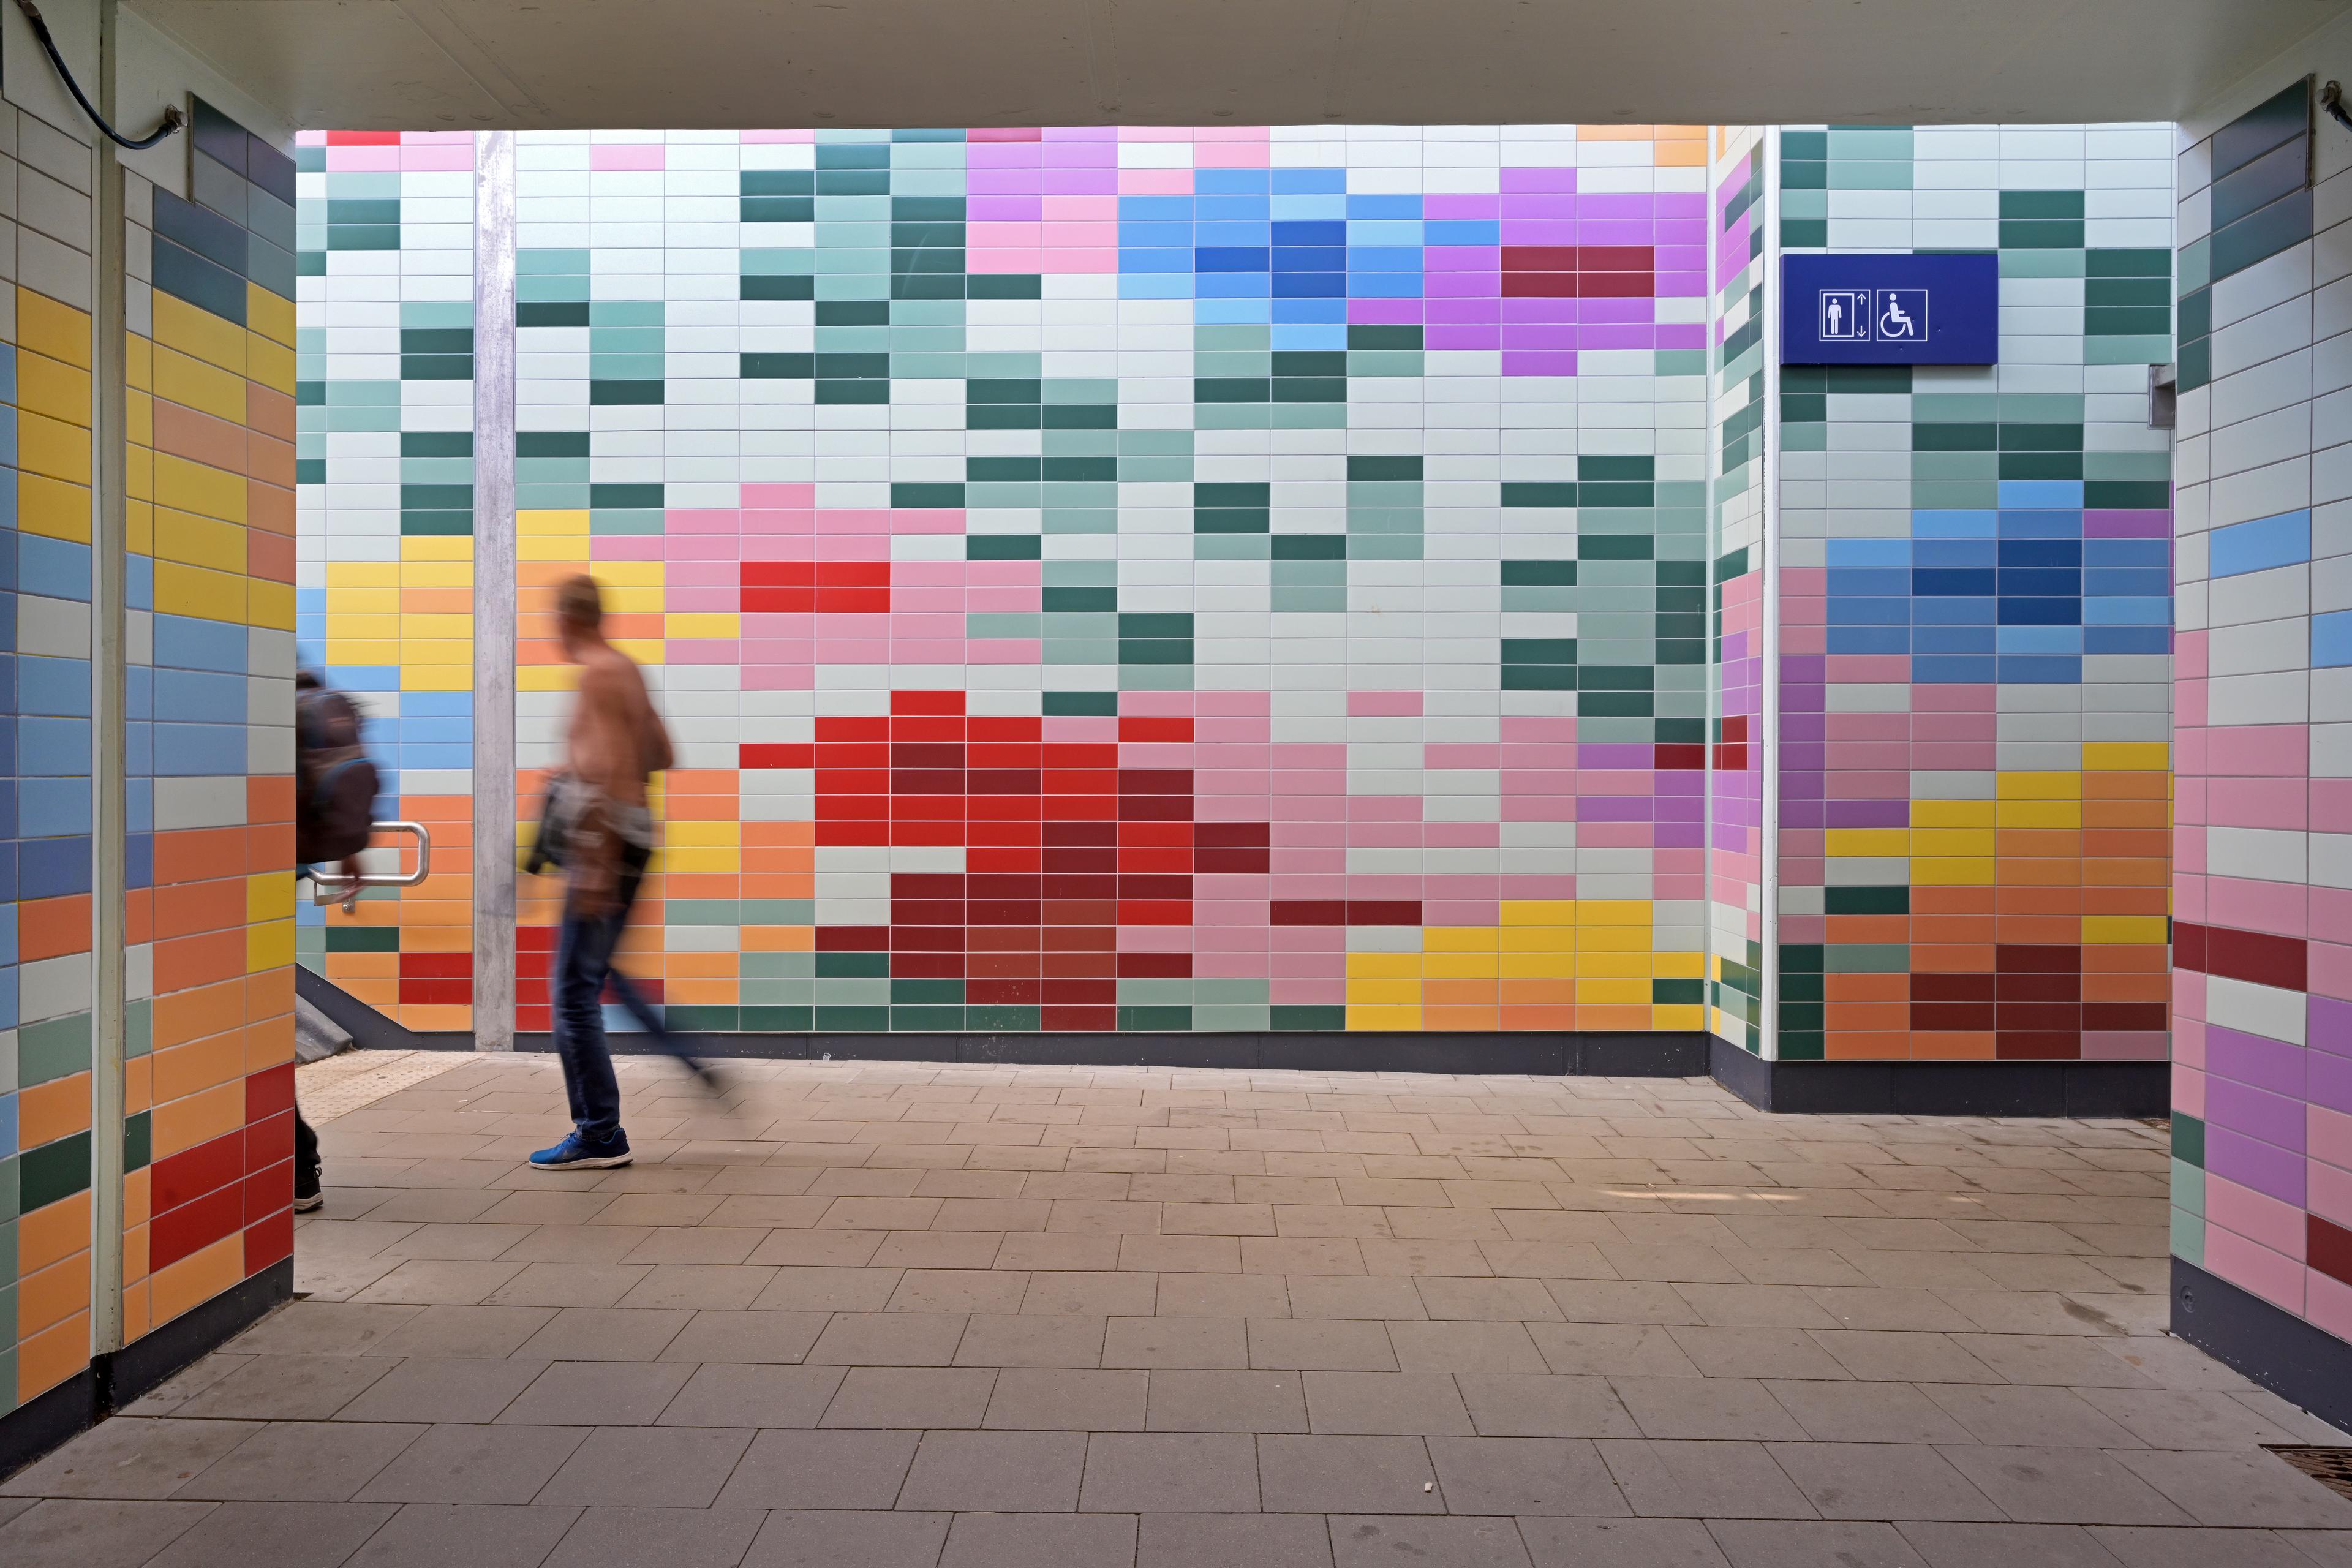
[
  {"x": 1040, "y": 1540},
  {"x": 1170, "y": 1472},
  {"x": 844, "y": 1538},
  {"x": 996, "y": 1471},
  {"x": 275, "y": 1535},
  {"x": 456, "y": 1464},
  {"x": 648, "y": 1467},
  {"x": 1360, "y": 1543},
  {"x": 659, "y": 1538},
  {"x": 813, "y": 1470},
  {"x": 68, "y": 1533},
  {"x": 444, "y": 1535}
]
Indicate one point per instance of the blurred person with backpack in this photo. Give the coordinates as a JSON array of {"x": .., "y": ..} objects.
[
  {"x": 595, "y": 825},
  {"x": 335, "y": 786}
]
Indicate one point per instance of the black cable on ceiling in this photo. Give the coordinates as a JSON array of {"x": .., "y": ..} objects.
[{"x": 173, "y": 116}]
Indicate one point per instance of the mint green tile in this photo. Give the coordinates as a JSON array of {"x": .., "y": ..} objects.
[
  {"x": 2127, "y": 351},
  {"x": 55, "y": 1049}
]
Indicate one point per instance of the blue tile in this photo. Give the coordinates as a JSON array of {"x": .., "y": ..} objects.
[
  {"x": 53, "y": 808},
  {"x": 183, "y": 642},
  {"x": 2127, "y": 611},
  {"x": 53, "y": 568},
  {"x": 139, "y": 860},
  {"x": 1869, "y": 553},
  {"x": 2128, "y": 639},
  {"x": 2262, "y": 545},
  {"x": 1955, "y": 524},
  {"x": 2041, "y": 637},
  {"x": 2331, "y": 640},
  {"x": 200, "y": 697},
  {"x": 1952, "y": 670},
  {"x": 2030, "y": 670},
  {"x": 199, "y": 750},
  {"x": 53, "y": 867},
  {"x": 50, "y": 747},
  {"x": 2038, "y": 494},
  {"x": 53, "y": 687},
  {"x": 1304, "y": 182}
]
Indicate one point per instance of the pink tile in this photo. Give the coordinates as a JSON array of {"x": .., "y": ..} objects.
[{"x": 2276, "y": 1279}]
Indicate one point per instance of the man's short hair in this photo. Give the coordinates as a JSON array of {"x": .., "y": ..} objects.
[{"x": 579, "y": 602}]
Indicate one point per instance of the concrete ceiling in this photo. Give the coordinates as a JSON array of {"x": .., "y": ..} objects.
[{"x": 431, "y": 64}]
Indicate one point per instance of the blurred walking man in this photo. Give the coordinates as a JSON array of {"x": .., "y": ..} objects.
[{"x": 614, "y": 742}]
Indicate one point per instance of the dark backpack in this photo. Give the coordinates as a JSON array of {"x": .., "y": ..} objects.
[{"x": 335, "y": 779}]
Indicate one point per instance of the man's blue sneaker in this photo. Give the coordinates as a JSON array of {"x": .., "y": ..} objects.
[{"x": 578, "y": 1153}]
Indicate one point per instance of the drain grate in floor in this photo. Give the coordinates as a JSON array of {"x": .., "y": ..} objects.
[{"x": 2331, "y": 1468}]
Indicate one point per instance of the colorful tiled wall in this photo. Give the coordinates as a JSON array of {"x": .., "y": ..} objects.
[
  {"x": 45, "y": 830},
  {"x": 210, "y": 597},
  {"x": 1153, "y": 580},
  {"x": 1976, "y": 619},
  {"x": 1736, "y": 853},
  {"x": 385, "y": 456},
  {"x": 2261, "y": 1125}
]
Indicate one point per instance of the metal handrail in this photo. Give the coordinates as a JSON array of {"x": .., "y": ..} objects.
[{"x": 328, "y": 888}]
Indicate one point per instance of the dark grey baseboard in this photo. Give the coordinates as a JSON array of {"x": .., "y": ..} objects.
[
  {"x": 1912, "y": 1089},
  {"x": 1535, "y": 1055},
  {"x": 2305, "y": 1366},
  {"x": 114, "y": 1380},
  {"x": 1944, "y": 1088}
]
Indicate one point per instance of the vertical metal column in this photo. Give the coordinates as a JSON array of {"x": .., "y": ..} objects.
[
  {"x": 494, "y": 590},
  {"x": 110, "y": 543},
  {"x": 1768, "y": 978}
]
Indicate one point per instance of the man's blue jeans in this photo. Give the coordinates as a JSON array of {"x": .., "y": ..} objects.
[{"x": 583, "y": 967}]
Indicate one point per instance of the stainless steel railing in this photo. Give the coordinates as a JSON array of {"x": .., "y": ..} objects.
[{"x": 330, "y": 887}]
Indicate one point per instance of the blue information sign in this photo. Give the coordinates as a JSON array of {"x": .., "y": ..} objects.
[{"x": 1890, "y": 310}]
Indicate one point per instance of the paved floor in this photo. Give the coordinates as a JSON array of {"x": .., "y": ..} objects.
[{"x": 867, "y": 1316}]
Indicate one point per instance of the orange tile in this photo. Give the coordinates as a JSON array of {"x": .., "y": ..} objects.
[
  {"x": 269, "y": 799},
  {"x": 2152, "y": 900},
  {"x": 1935, "y": 958},
  {"x": 269, "y": 1043},
  {"x": 269, "y": 412},
  {"x": 184, "y": 909},
  {"x": 1869, "y": 928},
  {"x": 51, "y": 928},
  {"x": 183, "y": 1070},
  {"x": 2030, "y": 900},
  {"x": 48, "y": 1111},
  {"x": 196, "y": 1278},
  {"x": 1930, "y": 1044},
  {"x": 199, "y": 438},
  {"x": 1633, "y": 1020},
  {"x": 138, "y": 1084},
  {"x": 2037, "y": 843},
  {"x": 1539, "y": 1018},
  {"x": 1867, "y": 987},
  {"x": 1961, "y": 929},
  {"x": 270, "y": 846},
  {"x": 52, "y": 1295},
  {"x": 269, "y": 459},
  {"x": 1883, "y": 1046},
  {"x": 1460, "y": 1017},
  {"x": 269, "y": 509},
  {"x": 184, "y": 962},
  {"x": 270, "y": 994},
  {"x": 193, "y": 1015},
  {"x": 1934, "y": 900},
  {"x": 50, "y": 1357},
  {"x": 135, "y": 1309},
  {"x": 138, "y": 916},
  {"x": 182, "y": 1124},
  {"x": 2041, "y": 931},
  {"x": 53, "y": 1233},
  {"x": 271, "y": 556}
]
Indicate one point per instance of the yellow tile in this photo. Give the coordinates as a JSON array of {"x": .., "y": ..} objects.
[
  {"x": 1378, "y": 992},
  {"x": 269, "y": 314},
  {"x": 269, "y": 605},
  {"x": 52, "y": 507},
  {"x": 1947, "y": 841},
  {"x": 1679, "y": 1018},
  {"x": 342, "y": 624},
  {"x": 1536, "y": 939},
  {"x": 193, "y": 384},
  {"x": 363, "y": 574},
  {"x": 438, "y": 548},
  {"x": 628, "y": 574},
  {"x": 51, "y": 326},
  {"x": 139, "y": 419},
  {"x": 1679, "y": 965},
  {"x": 1952, "y": 814},
  {"x": 1457, "y": 938},
  {"x": 194, "y": 486},
  {"x": 713, "y": 862},
  {"x": 438, "y": 678},
  {"x": 269, "y": 946},
  {"x": 643, "y": 651},
  {"x": 182, "y": 590},
  {"x": 210, "y": 338},
  {"x": 2061, "y": 813},
  {"x": 1536, "y": 965},
  {"x": 51, "y": 447},
  {"x": 51, "y": 386},
  {"x": 2038, "y": 786},
  {"x": 1879, "y": 842},
  {"x": 1539, "y": 912},
  {"x": 702, "y": 833},
  {"x": 139, "y": 527},
  {"x": 139, "y": 363},
  {"x": 1383, "y": 966},
  {"x": 544, "y": 678},
  {"x": 1613, "y": 911},
  {"x": 2138, "y": 930},
  {"x": 2127, "y": 756},
  {"x": 1613, "y": 993},
  {"x": 1960, "y": 871},
  {"x": 1460, "y": 966},
  {"x": 1614, "y": 966},
  {"x": 528, "y": 523},
  {"x": 271, "y": 364},
  {"x": 199, "y": 541},
  {"x": 362, "y": 651},
  {"x": 1381, "y": 1018},
  {"x": 701, "y": 625},
  {"x": 1613, "y": 939}
]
